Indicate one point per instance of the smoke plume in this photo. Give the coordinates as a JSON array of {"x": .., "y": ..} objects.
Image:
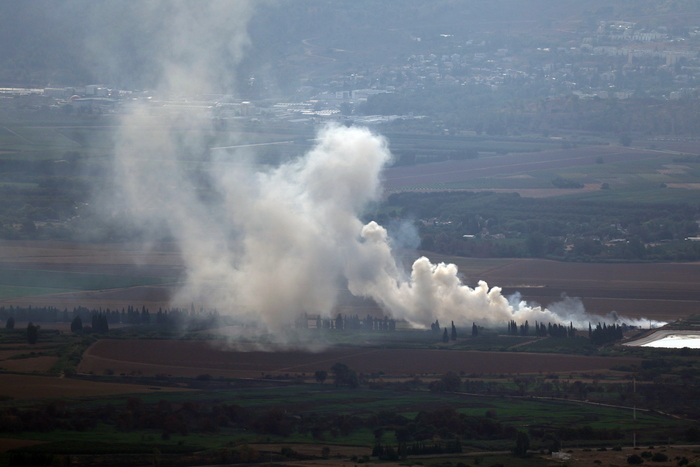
[{"x": 268, "y": 244}]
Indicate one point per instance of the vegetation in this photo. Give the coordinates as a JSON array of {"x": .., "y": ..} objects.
[{"x": 560, "y": 228}]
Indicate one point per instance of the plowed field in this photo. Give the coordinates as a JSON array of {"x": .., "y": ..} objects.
[
  {"x": 187, "y": 358},
  {"x": 22, "y": 387}
]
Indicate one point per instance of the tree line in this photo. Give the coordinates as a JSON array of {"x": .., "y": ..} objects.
[{"x": 347, "y": 323}]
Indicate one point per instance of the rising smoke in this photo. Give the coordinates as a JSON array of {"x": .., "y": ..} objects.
[{"x": 279, "y": 242}]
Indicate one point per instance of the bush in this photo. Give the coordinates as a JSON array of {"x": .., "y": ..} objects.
[
  {"x": 659, "y": 457},
  {"x": 634, "y": 459}
]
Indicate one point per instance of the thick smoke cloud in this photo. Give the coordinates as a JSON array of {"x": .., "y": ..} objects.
[
  {"x": 282, "y": 241},
  {"x": 276, "y": 243}
]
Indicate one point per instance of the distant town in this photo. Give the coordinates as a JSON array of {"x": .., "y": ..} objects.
[{"x": 615, "y": 60}]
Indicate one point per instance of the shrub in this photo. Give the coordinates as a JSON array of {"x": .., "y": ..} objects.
[
  {"x": 634, "y": 459},
  {"x": 659, "y": 457}
]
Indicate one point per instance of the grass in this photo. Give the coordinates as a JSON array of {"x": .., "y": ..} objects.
[{"x": 25, "y": 278}]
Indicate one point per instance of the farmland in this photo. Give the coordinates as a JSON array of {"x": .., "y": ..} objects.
[
  {"x": 398, "y": 178},
  {"x": 29, "y": 387},
  {"x": 184, "y": 358},
  {"x": 660, "y": 291}
]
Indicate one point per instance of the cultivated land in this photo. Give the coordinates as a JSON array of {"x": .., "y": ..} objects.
[
  {"x": 25, "y": 387},
  {"x": 659, "y": 291},
  {"x": 183, "y": 358},
  {"x": 400, "y": 178}
]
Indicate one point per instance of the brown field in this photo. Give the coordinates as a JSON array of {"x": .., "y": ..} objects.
[
  {"x": 193, "y": 358},
  {"x": 127, "y": 259},
  {"x": 457, "y": 171},
  {"x": 21, "y": 387},
  {"x": 661, "y": 291},
  {"x": 152, "y": 297},
  {"x": 29, "y": 365}
]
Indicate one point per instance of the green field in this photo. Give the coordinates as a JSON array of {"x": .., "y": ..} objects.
[
  {"x": 11, "y": 291},
  {"x": 326, "y": 400},
  {"x": 31, "y": 282}
]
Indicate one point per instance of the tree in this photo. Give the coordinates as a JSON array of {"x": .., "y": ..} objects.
[
  {"x": 536, "y": 244},
  {"x": 522, "y": 444},
  {"x": 321, "y": 375},
  {"x": 625, "y": 140},
  {"x": 475, "y": 330},
  {"x": 452, "y": 381},
  {"x": 454, "y": 332},
  {"x": 10, "y": 324},
  {"x": 344, "y": 376},
  {"x": 445, "y": 337},
  {"x": 326, "y": 452},
  {"x": 32, "y": 333},
  {"x": 76, "y": 325}
]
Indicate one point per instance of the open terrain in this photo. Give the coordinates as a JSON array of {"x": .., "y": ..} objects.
[
  {"x": 186, "y": 358},
  {"x": 23, "y": 387},
  {"x": 421, "y": 176},
  {"x": 659, "y": 291}
]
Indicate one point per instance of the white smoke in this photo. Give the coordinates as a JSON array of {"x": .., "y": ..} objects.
[
  {"x": 283, "y": 240},
  {"x": 280, "y": 242}
]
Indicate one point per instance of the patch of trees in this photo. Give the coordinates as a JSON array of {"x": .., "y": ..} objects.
[
  {"x": 604, "y": 334},
  {"x": 450, "y": 382},
  {"x": 534, "y": 227},
  {"x": 542, "y": 330},
  {"x": 100, "y": 319},
  {"x": 32, "y": 333},
  {"x": 344, "y": 376},
  {"x": 99, "y": 323},
  {"x": 560, "y": 182}
]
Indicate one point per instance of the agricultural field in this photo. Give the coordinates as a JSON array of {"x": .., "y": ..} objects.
[
  {"x": 113, "y": 276},
  {"x": 66, "y": 275},
  {"x": 633, "y": 174},
  {"x": 29, "y": 387},
  {"x": 445, "y": 173},
  {"x": 185, "y": 358},
  {"x": 307, "y": 414}
]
